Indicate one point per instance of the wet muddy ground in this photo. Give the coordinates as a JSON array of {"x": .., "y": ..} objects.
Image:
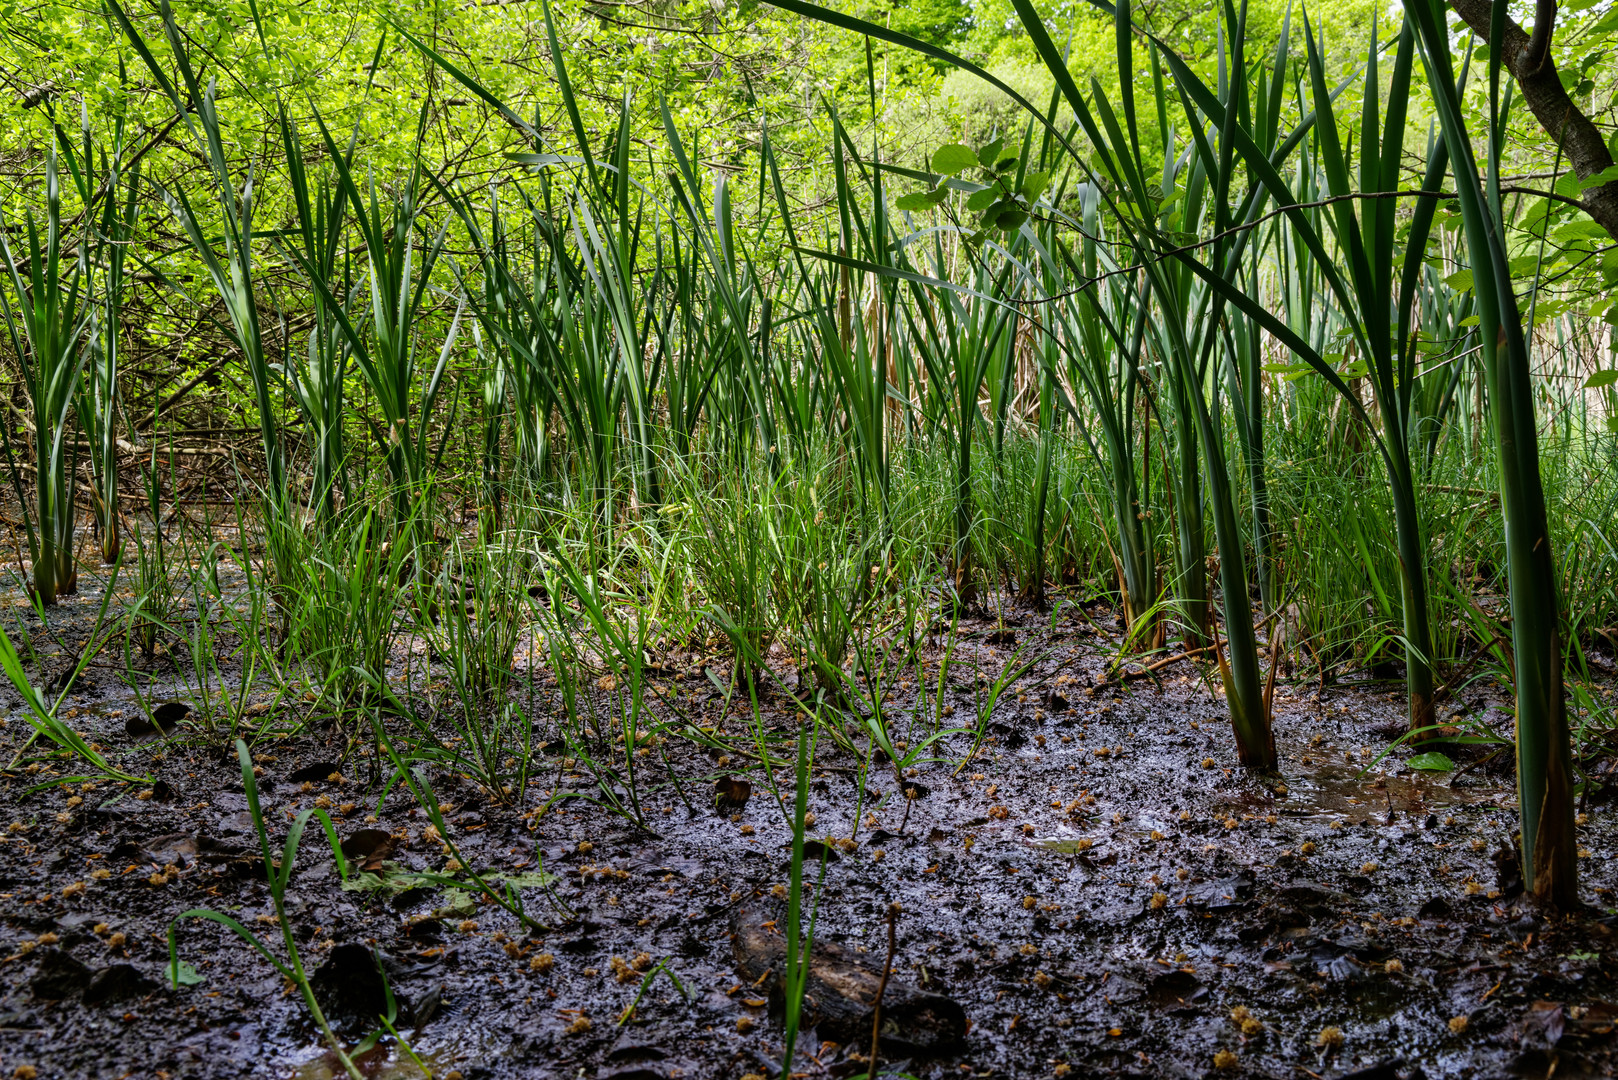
[{"x": 1100, "y": 891}]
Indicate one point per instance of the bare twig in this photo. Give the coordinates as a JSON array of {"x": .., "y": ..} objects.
[{"x": 881, "y": 989}]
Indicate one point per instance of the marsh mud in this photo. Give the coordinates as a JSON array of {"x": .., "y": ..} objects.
[{"x": 1098, "y": 891}]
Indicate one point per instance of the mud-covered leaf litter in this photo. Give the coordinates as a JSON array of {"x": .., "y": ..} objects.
[{"x": 1098, "y": 890}]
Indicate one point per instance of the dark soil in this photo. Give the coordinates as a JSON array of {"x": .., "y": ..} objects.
[{"x": 1101, "y": 891}]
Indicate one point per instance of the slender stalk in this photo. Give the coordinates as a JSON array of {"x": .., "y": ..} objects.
[{"x": 1544, "y": 765}]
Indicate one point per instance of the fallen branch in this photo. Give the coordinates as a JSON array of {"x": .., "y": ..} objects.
[{"x": 1149, "y": 669}]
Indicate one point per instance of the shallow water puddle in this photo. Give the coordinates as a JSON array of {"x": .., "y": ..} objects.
[
  {"x": 1065, "y": 847},
  {"x": 1332, "y": 788}
]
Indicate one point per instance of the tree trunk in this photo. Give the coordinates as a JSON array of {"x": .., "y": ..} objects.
[{"x": 1530, "y": 63}]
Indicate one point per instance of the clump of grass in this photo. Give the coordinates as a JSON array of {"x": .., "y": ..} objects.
[{"x": 279, "y": 875}]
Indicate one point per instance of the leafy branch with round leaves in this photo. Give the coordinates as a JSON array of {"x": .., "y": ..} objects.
[{"x": 1005, "y": 196}]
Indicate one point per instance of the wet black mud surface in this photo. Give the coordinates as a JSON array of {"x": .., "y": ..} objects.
[{"x": 1101, "y": 891}]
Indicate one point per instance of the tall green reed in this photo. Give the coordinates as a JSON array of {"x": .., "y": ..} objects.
[
  {"x": 234, "y": 276},
  {"x": 317, "y": 378},
  {"x": 98, "y": 402},
  {"x": 1544, "y": 766},
  {"x": 48, "y": 311},
  {"x": 386, "y": 347}
]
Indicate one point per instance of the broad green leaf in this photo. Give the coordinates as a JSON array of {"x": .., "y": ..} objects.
[
  {"x": 186, "y": 975},
  {"x": 918, "y": 201},
  {"x": 982, "y": 200},
  {"x": 390, "y": 879},
  {"x": 1601, "y": 378},
  {"x": 989, "y": 155},
  {"x": 1533, "y": 218},
  {"x": 533, "y": 879},
  {"x": 1523, "y": 265},
  {"x": 1460, "y": 281},
  {"x": 1580, "y": 230},
  {"x": 953, "y": 158},
  {"x": 1608, "y": 175},
  {"x": 457, "y": 901},
  {"x": 1010, "y": 219},
  {"x": 1034, "y": 185},
  {"x": 1432, "y": 761},
  {"x": 1548, "y": 310}
]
